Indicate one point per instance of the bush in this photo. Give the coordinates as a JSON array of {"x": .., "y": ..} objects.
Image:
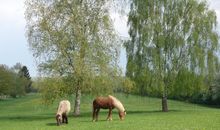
[{"x": 11, "y": 83}]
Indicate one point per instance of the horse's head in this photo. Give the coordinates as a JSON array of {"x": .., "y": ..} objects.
[
  {"x": 122, "y": 114},
  {"x": 59, "y": 119}
]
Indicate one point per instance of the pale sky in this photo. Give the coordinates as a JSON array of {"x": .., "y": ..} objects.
[{"x": 13, "y": 43}]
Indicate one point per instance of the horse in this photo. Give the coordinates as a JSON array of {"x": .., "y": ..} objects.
[
  {"x": 110, "y": 103},
  {"x": 62, "y": 112}
]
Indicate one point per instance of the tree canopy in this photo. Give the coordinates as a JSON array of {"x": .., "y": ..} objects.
[
  {"x": 75, "y": 41},
  {"x": 170, "y": 36}
]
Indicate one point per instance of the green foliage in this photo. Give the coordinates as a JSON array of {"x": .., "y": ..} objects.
[
  {"x": 213, "y": 94},
  {"x": 124, "y": 85},
  {"x": 167, "y": 37},
  {"x": 74, "y": 41},
  {"x": 24, "y": 73},
  {"x": 51, "y": 89},
  {"x": 11, "y": 83},
  {"x": 60, "y": 87},
  {"x": 127, "y": 85},
  {"x": 187, "y": 86},
  {"x": 5, "y": 80}
]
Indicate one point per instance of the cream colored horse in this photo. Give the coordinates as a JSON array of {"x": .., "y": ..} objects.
[{"x": 62, "y": 112}]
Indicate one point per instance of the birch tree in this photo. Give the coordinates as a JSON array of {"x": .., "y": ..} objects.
[
  {"x": 170, "y": 35},
  {"x": 74, "y": 40}
]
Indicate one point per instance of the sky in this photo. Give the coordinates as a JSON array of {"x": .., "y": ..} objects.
[{"x": 13, "y": 42}]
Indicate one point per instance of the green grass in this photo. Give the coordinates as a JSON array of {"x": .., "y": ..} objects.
[{"x": 143, "y": 113}]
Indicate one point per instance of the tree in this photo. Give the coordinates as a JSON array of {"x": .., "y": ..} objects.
[
  {"x": 169, "y": 36},
  {"x": 74, "y": 41},
  {"x": 214, "y": 91},
  {"x": 10, "y": 81},
  {"x": 188, "y": 86},
  {"x": 5, "y": 80},
  {"x": 17, "y": 67},
  {"x": 24, "y": 73}
]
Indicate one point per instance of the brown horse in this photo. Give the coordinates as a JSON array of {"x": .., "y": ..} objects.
[{"x": 110, "y": 103}]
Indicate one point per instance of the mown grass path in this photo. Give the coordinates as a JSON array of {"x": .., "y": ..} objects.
[{"x": 143, "y": 113}]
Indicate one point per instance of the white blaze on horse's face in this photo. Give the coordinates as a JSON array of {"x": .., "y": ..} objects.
[{"x": 59, "y": 119}]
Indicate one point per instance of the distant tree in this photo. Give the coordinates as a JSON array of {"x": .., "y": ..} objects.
[
  {"x": 75, "y": 42},
  {"x": 24, "y": 73},
  {"x": 5, "y": 80},
  {"x": 215, "y": 91},
  {"x": 17, "y": 67},
  {"x": 19, "y": 83},
  {"x": 188, "y": 86},
  {"x": 18, "y": 86},
  {"x": 168, "y": 36},
  {"x": 10, "y": 82}
]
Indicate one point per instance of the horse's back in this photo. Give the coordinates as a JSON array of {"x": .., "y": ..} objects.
[
  {"x": 102, "y": 102},
  {"x": 65, "y": 105}
]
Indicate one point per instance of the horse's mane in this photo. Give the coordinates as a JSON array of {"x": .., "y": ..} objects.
[{"x": 117, "y": 103}]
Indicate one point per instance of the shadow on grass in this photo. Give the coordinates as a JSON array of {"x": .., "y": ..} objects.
[
  {"x": 209, "y": 106},
  {"x": 101, "y": 120},
  {"x": 148, "y": 112},
  {"x": 25, "y": 118},
  {"x": 115, "y": 113},
  {"x": 51, "y": 124},
  {"x": 84, "y": 114}
]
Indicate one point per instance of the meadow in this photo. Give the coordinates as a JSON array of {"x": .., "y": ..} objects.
[{"x": 143, "y": 113}]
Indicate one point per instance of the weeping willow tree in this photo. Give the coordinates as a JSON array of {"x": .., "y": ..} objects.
[
  {"x": 73, "y": 42},
  {"x": 168, "y": 36}
]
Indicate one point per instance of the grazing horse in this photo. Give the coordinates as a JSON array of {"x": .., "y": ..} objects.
[
  {"x": 62, "y": 112},
  {"x": 110, "y": 103}
]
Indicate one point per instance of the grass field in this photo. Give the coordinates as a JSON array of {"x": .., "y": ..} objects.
[{"x": 143, "y": 113}]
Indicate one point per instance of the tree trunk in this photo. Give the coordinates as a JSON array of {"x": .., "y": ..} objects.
[
  {"x": 77, "y": 103},
  {"x": 164, "y": 97},
  {"x": 164, "y": 104}
]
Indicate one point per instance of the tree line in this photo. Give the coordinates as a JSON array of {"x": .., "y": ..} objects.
[
  {"x": 14, "y": 81},
  {"x": 172, "y": 51}
]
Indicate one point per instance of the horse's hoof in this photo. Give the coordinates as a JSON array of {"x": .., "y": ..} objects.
[{"x": 109, "y": 119}]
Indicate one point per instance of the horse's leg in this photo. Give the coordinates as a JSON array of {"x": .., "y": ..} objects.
[
  {"x": 97, "y": 113},
  {"x": 66, "y": 119},
  {"x": 94, "y": 114},
  {"x": 63, "y": 118},
  {"x": 109, "y": 118}
]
